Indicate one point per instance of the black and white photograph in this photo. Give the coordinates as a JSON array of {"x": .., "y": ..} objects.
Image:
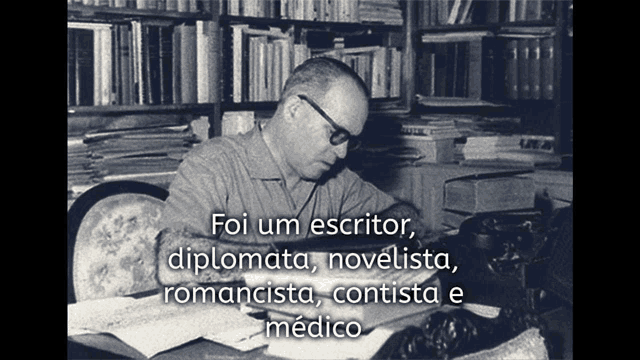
[{"x": 319, "y": 179}]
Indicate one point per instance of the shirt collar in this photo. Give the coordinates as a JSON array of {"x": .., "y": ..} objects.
[{"x": 261, "y": 163}]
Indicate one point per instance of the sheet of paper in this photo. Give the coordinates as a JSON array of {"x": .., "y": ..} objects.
[
  {"x": 325, "y": 279},
  {"x": 362, "y": 347},
  {"x": 150, "y": 326}
]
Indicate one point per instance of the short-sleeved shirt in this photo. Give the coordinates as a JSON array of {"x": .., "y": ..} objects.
[{"x": 237, "y": 177}]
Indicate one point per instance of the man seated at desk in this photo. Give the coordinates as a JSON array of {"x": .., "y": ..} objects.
[{"x": 285, "y": 168}]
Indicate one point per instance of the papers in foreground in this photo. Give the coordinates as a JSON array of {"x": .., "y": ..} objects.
[{"x": 150, "y": 325}]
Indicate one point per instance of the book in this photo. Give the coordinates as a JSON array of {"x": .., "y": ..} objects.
[
  {"x": 380, "y": 77},
  {"x": 188, "y": 63},
  {"x": 166, "y": 65},
  {"x": 480, "y": 194},
  {"x": 511, "y": 69},
  {"x": 534, "y": 69},
  {"x": 524, "y": 87},
  {"x": 547, "y": 67},
  {"x": 101, "y": 60}
]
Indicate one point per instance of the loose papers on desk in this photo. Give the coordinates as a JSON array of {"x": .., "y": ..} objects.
[
  {"x": 149, "y": 325},
  {"x": 324, "y": 281}
]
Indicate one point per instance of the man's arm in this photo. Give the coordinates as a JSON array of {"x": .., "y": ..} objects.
[{"x": 175, "y": 248}]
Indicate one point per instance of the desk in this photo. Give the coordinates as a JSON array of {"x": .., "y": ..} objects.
[{"x": 423, "y": 186}]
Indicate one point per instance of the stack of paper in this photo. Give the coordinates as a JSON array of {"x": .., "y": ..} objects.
[
  {"x": 80, "y": 168},
  {"x": 324, "y": 281},
  {"x": 149, "y": 325},
  {"x": 149, "y": 154}
]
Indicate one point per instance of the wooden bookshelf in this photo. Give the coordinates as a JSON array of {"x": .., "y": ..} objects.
[{"x": 534, "y": 88}]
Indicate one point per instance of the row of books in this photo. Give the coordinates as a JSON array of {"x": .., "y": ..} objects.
[
  {"x": 379, "y": 11},
  {"x": 138, "y": 63},
  {"x": 150, "y": 154},
  {"x": 529, "y": 65},
  {"x": 463, "y": 65},
  {"x": 451, "y": 65},
  {"x": 262, "y": 60},
  {"x": 451, "y": 12},
  {"x": 159, "y": 5}
]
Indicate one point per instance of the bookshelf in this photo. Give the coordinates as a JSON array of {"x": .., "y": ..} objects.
[
  {"x": 397, "y": 54},
  {"x": 497, "y": 58},
  {"x": 127, "y": 58}
]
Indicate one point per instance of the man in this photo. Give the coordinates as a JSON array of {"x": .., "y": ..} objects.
[{"x": 243, "y": 193}]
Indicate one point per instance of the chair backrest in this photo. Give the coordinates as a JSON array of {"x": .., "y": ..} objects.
[{"x": 111, "y": 240}]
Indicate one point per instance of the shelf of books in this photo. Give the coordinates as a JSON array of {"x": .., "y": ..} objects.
[
  {"x": 486, "y": 53},
  {"x": 167, "y": 9},
  {"x": 139, "y": 63},
  {"x": 262, "y": 48},
  {"x": 473, "y": 14}
]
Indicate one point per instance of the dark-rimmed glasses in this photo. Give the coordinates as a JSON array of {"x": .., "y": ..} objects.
[{"x": 340, "y": 134}]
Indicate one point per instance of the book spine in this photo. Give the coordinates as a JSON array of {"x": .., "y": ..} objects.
[
  {"x": 154, "y": 71},
  {"x": 116, "y": 76},
  {"x": 71, "y": 67},
  {"x": 125, "y": 63},
  {"x": 145, "y": 65},
  {"x": 534, "y": 68},
  {"x": 183, "y": 5},
  {"x": 534, "y": 10},
  {"x": 524, "y": 89},
  {"x": 97, "y": 67},
  {"x": 442, "y": 11},
  {"x": 202, "y": 63},
  {"x": 166, "y": 64},
  {"x": 269, "y": 71},
  {"x": 188, "y": 64},
  {"x": 451, "y": 67},
  {"x": 379, "y": 74},
  {"x": 474, "y": 86},
  {"x": 177, "y": 64},
  {"x": 521, "y": 10},
  {"x": 84, "y": 67},
  {"x": 547, "y": 62},
  {"x": 236, "y": 62},
  {"x": 462, "y": 69},
  {"x": 511, "y": 69}
]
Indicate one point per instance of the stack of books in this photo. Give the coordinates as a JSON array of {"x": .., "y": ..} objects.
[
  {"x": 518, "y": 150},
  {"x": 386, "y": 12},
  {"x": 80, "y": 169}
]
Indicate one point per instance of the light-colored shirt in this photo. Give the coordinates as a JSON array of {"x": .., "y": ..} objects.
[{"x": 237, "y": 177}]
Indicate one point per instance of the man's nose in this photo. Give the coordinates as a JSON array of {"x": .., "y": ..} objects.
[{"x": 341, "y": 150}]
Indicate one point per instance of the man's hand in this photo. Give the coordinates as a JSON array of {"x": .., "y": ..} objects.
[{"x": 403, "y": 210}]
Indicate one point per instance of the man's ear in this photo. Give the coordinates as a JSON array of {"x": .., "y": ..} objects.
[{"x": 292, "y": 105}]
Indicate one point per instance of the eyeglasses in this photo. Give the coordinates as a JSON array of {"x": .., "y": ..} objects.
[{"x": 340, "y": 134}]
